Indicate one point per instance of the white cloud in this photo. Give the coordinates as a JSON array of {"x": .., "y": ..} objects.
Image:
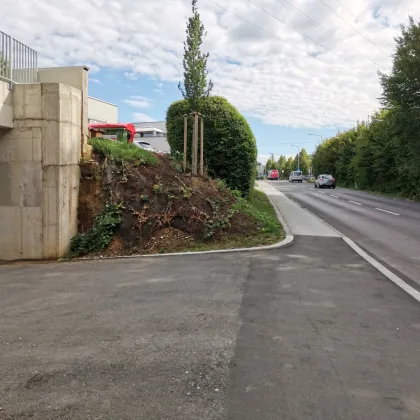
[
  {"x": 96, "y": 81},
  {"x": 271, "y": 77},
  {"x": 137, "y": 102},
  {"x": 140, "y": 117}
]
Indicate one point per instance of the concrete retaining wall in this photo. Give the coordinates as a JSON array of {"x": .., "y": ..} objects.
[
  {"x": 6, "y": 106},
  {"x": 39, "y": 172}
]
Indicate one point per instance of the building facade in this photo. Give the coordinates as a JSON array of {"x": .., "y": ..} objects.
[
  {"x": 101, "y": 112},
  {"x": 154, "y": 133}
]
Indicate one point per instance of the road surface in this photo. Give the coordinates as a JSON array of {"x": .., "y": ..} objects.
[
  {"x": 307, "y": 332},
  {"x": 388, "y": 229}
]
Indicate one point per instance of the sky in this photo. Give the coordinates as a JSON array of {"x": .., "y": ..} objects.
[{"x": 291, "y": 67}]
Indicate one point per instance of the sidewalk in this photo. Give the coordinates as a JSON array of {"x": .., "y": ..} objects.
[{"x": 299, "y": 220}]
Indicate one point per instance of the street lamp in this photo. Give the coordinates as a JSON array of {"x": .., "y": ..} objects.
[
  {"x": 295, "y": 145},
  {"x": 317, "y": 135}
]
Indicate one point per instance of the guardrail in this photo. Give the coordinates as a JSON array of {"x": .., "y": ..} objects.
[{"x": 18, "y": 62}]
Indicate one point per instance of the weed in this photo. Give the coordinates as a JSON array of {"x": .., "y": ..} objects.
[
  {"x": 100, "y": 235},
  {"x": 119, "y": 152},
  {"x": 144, "y": 198},
  {"x": 221, "y": 185},
  {"x": 158, "y": 187},
  {"x": 185, "y": 191}
]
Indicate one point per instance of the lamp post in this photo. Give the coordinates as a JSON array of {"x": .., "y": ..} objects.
[
  {"x": 317, "y": 135},
  {"x": 295, "y": 145}
]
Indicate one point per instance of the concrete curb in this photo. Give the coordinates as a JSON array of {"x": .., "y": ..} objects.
[{"x": 287, "y": 241}]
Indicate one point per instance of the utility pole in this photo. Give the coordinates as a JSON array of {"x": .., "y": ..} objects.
[{"x": 295, "y": 145}]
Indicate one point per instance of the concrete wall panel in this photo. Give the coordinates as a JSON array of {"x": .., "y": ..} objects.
[
  {"x": 6, "y": 106},
  {"x": 27, "y": 102},
  {"x": 31, "y": 232},
  {"x": 10, "y": 228}
]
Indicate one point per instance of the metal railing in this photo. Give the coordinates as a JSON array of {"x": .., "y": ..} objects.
[{"x": 18, "y": 62}]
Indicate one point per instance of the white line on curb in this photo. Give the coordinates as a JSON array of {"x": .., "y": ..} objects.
[
  {"x": 387, "y": 211},
  {"x": 387, "y": 273},
  {"x": 355, "y": 202},
  {"x": 335, "y": 196}
]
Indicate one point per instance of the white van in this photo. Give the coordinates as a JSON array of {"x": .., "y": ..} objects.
[{"x": 296, "y": 176}]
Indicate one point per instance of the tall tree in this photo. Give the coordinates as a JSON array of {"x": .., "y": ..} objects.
[
  {"x": 304, "y": 161},
  {"x": 282, "y": 164},
  {"x": 195, "y": 86}
]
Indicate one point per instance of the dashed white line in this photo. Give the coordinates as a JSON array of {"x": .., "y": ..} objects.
[
  {"x": 387, "y": 211},
  {"x": 335, "y": 196},
  {"x": 355, "y": 202}
]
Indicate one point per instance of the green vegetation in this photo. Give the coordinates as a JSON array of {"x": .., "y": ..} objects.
[
  {"x": 195, "y": 87},
  {"x": 259, "y": 209},
  {"x": 230, "y": 149},
  {"x": 100, "y": 235},
  {"x": 119, "y": 152},
  {"x": 383, "y": 154},
  {"x": 291, "y": 164}
]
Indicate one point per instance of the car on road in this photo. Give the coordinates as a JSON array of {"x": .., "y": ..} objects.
[
  {"x": 325, "y": 181},
  {"x": 296, "y": 176},
  {"x": 273, "y": 175}
]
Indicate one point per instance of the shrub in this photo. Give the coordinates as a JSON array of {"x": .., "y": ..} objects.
[
  {"x": 100, "y": 235},
  {"x": 119, "y": 151},
  {"x": 230, "y": 150}
]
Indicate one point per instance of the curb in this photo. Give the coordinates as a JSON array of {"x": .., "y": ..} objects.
[{"x": 287, "y": 241}]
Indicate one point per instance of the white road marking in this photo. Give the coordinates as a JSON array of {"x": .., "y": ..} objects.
[
  {"x": 387, "y": 211},
  {"x": 387, "y": 273},
  {"x": 322, "y": 192},
  {"x": 355, "y": 202},
  {"x": 335, "y": 196}
]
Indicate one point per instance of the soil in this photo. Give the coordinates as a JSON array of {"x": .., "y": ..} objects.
[{"x": 163, "y": 210}]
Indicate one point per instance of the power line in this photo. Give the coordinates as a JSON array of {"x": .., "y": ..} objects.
[
  {"x": 291, "y": 27},
  {"x": 346, "y": 8},
  {"x": 275, "y": 36},
  {"x": 292, "y": 7},
  {"x": 304, "y": 35},
  {"x": 316, "y": 24},
  {"x": 349, "y": 24}
]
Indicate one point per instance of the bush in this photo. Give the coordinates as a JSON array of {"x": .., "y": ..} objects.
[
  {"x": 99, "y": 237},
  {"x": 119, "y": 151},
  {"x": 230, "y": 150}
]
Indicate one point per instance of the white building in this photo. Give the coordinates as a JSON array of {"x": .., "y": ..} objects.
[
  {"x": 154, "y": 133},
  {"x": 101, "y": 112}
]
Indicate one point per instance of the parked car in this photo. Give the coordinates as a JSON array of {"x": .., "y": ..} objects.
[
  {"x": 273, "y": 175},
  {"x": 325, "y": 181},
  {"x": 296, "y": 176},
  {"x": 146, "y": 146}
]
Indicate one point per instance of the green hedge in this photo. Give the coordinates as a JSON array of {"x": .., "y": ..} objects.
[{"x": 230, "y": 150}]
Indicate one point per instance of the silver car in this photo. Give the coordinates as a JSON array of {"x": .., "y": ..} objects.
[
  {"x": 325, "y": 181},
  {"x": 144, "y": 145}
]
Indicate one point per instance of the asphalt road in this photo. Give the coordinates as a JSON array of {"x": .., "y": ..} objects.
[
  {"x": 389, "y": 229},
  {"x": 308, "y": 332}
]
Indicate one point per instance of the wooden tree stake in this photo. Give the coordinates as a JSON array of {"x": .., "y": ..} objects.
[
  {"x": 202, "y": 148},
  {"x": 185, "y": 142}
]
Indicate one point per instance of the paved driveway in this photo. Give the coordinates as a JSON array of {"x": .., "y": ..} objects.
[{"x": 306, "y": 332}]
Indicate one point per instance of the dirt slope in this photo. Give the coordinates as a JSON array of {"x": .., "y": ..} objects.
[{"x": 163, "y": 210}]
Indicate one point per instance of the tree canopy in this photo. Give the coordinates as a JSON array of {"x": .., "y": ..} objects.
[
  {"x": 230, "y": 150},
  {"x": 195, "y": 86},
  {"x": 383, "y": 153}
]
